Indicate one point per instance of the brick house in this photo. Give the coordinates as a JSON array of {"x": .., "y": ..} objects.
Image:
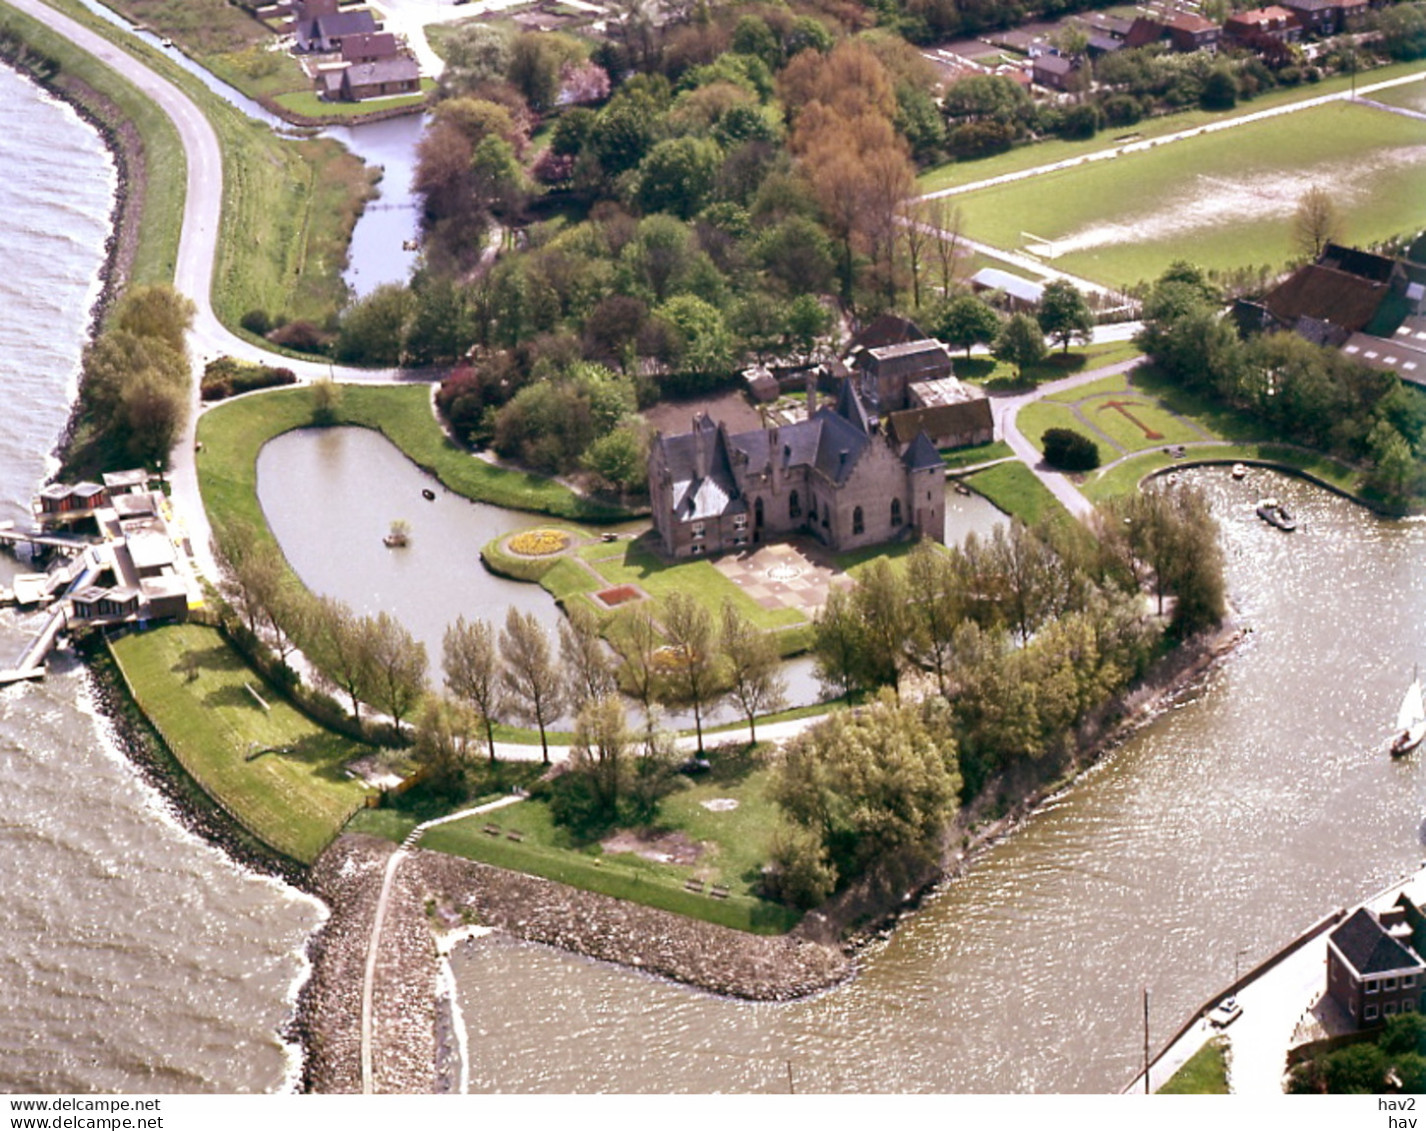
[
  {"x": 1250, "y": 29},
  {"x": 1190, "y": 32},
  {"x": 369, "y": 48},
  {"x": 324, "y": 34},
  {"x": 1327, "y": 17},
  {"x": 842, "y": 476},
  {"x": 1374, "y": 965}
]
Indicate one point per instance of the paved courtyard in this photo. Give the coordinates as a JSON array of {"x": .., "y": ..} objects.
[{"x": 785, "y": 575}]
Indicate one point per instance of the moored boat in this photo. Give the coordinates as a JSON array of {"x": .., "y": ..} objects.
[
  {"x": 1239, "y": 470},
  {"x": 1273, "y": 512}
]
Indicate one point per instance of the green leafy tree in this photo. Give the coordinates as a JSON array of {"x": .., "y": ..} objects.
[
  {"x": 691, "y": 665},
  {"x": 678, "y": 176},
  {"x": 1064, "y": 315},
  {"x": 752, "y": 665},
  {"x": 442, "y": 742},
  {"x": 589, "y": 669},
  {"x": 966, "y": 321},
  {"x": 396, "y": 673},
  {"x": 1316, "y": 222},
  {"x": 871, "y": 784},
  {"x": 373, "y": 329},
  {"x": 1020, "y": 342}
]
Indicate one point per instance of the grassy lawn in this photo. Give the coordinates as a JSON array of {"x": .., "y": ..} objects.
[
  {"x": 1117, "y": 383},
  {"x": 307, "y": 104},
  {"x": 1035, "y": 419},
  {"x": 1048, "y": 152},
  {"x": 1125, "y": 476},
  {"x": 1014, "y": 489},
  {"x": 1204, "y": 1074},
  {"x": 1204, "y": 198},
  {"x": 981, "y": 453},
  {"x": 1155, "y": 426},
  {"x": 735, "y": 849},
  {"x": 164, "y": 162},
  {"x": 294, "y": 795},
  {"x": 1411, "y": 96}
]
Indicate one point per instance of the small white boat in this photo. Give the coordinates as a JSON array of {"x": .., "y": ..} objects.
[
  {"x": 1239, "y": 470},
  {"x": 1410, "y": 722}
]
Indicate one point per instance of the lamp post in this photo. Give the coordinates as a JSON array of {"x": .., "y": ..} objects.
[{"x": 1237, "y": 960}]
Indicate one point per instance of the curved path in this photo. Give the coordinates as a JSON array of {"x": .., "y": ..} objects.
[{"x": 1059, "y": 484}]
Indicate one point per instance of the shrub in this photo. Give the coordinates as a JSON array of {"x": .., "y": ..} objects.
[
  {"x": 301, "y": 336},
  {"x": 1070, "y": 450},
  {"x": 227, "y": 377},
  {"x": 256, "y": 322}
]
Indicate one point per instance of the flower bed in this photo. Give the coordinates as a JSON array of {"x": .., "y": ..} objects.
[
  {"x": 618, "y": 595},
  {"x": 538, "y": 543}
]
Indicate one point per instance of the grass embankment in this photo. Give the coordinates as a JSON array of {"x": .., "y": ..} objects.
[
  {"x": 1054, "y": 150},
  {"x": 288, "y": 206},
  {"x": 986, "y": 371},
  {"x": 1200, "y": 199},
  {"x": 1014, "y": 489},
  {"x": 732, "y": 843},
  {"x": 160, "y": 179},
  {"x": 1204, "y": 1074},
  {"x": 277, "y": 773}
]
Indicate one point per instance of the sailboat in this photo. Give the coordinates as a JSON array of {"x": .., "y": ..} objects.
[{"x": 1410, "y": 721}]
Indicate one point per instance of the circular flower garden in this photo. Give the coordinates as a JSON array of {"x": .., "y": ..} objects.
[{"x": 538, "y": 543}]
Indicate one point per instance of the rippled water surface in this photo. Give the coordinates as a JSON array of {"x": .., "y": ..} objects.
[
  {"x": 1256, "y": 803},
  {"x": 134, "y": 957}
]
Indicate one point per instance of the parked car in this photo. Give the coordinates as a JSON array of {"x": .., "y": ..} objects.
[{"x": 1225, "y": 1013}]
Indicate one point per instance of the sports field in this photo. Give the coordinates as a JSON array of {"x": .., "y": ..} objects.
[{"x": 1221, "y": 200}]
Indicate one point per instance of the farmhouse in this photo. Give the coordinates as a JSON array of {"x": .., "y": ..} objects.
[
  {"x": 317, "y": 31},
  {"x": 1374, "y": 964},
  {"x": 851, "y": 475},
  {"x": 1328, "y": 17},
  {"x": 1190, "y": 32},
  {"x": 1372, "y": 307}
]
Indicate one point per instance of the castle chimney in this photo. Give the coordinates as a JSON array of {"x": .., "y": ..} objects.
[
  {"x": 702, "y": 456},
  {"x": 811, "y": 393}
]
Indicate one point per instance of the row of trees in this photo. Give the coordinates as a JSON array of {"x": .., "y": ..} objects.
[
  {"x": 1302, "y": 392},
  {"x": 136, "y": 381},
  {"x": 1023, "y": 636}
]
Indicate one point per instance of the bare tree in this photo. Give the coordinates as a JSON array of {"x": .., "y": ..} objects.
[
  {"x": 1316, "y": 223},
  {"x": 751, "y": 658},
  {"x": 531, "y": 678},
  {"x": 638, "y": 642},
  {"x": 948, "y": 221},
  {"x": 588, "y": 669},
  {"x": 397, "y": 666},
  {"x": 693, "y": 660},
  {"x": 918, "y": 233},
  {"x": 473, "y": 671}
]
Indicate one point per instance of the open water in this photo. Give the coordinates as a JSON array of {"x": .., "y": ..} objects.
[{"x": 134, "y": 956}]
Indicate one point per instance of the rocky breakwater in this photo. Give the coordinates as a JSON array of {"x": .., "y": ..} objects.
[
  {"x": 349, "y": 876},
  {"x": 718, "y": 959}
]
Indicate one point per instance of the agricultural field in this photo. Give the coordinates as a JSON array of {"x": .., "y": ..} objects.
[{"x": 1222, "y": 200}]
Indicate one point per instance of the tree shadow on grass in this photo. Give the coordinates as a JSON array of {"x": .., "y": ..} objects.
[
  {"x": 733, "y": 762},
  {"x": 218, "y": 658},
  {"x": 325, "y": 754},
  {"x": 231, "y": 695}
]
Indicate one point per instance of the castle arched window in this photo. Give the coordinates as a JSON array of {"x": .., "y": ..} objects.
[
  {"x": 895, "y": 512},
  {"x": 858, "y": 525},
  {"x": 794, "y": 506}
]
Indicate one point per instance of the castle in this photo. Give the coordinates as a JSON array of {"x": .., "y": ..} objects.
[{"x": 855, "y": 473}]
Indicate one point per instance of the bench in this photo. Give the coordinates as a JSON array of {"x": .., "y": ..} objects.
[
  {"x": 695, "y": 886},
  {"x": 718, "y": 891},
  {"x": 515, "y": 835},
  {"x": 492, "y": 830}
]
